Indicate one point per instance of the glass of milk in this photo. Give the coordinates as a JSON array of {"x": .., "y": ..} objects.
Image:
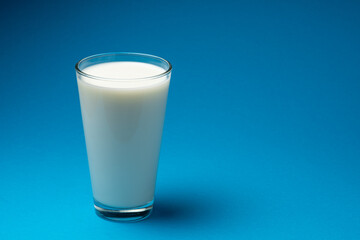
[{"x": 123, "y": 99}]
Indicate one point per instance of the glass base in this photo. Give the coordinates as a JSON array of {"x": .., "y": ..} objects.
[{"x": 123, "y": 215}]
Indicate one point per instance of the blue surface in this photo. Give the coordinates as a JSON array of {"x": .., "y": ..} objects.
[{"x": 262, "y": 133}]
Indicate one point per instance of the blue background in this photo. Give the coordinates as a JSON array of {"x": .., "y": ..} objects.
[{"x": 262, "y": 132}]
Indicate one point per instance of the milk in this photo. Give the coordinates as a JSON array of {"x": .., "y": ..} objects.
[{"x": 123, "y": 123}]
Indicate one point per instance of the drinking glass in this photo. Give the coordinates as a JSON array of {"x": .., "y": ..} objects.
[{"x": 123, "y": 100}]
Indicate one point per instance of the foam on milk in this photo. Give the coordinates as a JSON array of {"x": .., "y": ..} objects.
[{"x": 123, "y": 74}]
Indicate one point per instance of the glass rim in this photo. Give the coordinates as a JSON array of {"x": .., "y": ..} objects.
[{"x": 81, "y": 72}]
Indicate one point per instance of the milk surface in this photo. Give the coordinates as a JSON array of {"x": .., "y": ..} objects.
[{"x": 123, "y": 123}]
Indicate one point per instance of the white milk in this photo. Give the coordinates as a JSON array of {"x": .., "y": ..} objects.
[{"x": 123, "y": 123}]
